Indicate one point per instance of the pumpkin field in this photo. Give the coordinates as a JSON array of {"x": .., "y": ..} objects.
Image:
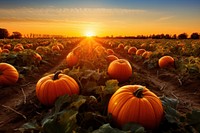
[{"x": 99, "y": 85}]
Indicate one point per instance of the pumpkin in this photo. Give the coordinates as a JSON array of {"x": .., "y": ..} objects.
[
  {"x": 110, "y": 51},
  {"x": 29, "y": 45},
  {"x": 18, "y": 48},
  {"x": 37, "y": 57},
  {"x": 132, "y": 50},
  {"x": 60, "y": 46},
  {"x": 71, "y": 59},
  {"x": 7, "y": 46},
  {"x": 137, "y": 104},
  {"x": 146, "y": 54},
  {"x": 8, "y": 74},
  {"x": 5, "y": 51},
  {"x": 0, "y": 49},
  {"x": 127, "y": 47},
  {"x": 50, "y": 87},
  {"x": 120, "y": 69},
  {"x": 140, "y": 51},
  {"x": 42, "y": 50},
  {"x": 166, "y": 61},
  {"x": 120, "y": 46},
  {"x": 143, "y": 45},
  {"x": 111, "y": 58},
  {"x": 55, "y": 48}
]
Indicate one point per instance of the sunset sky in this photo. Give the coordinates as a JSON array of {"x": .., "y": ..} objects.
[{"x": 100, "y": 17}]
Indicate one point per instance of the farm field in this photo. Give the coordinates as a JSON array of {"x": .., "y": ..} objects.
[{"x": 177, "y": 84}]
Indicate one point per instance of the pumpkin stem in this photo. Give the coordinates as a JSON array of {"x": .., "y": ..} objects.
[
  {"x": 55, "y": 77},
  {"x": 138, "y": 92}
]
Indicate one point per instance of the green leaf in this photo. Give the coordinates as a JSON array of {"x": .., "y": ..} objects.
[
  {"x": 30, "y": 126},
  {"x": 64, "y": 123},
  {"x": 60, "y": 101},
  {"x": 170, "y": 105},
  {"x": 106, "y": 128},
  {"x": 194, "y": 119},
  {"x": 78, "y": 101},
  {"x": 111, "y": 86}
]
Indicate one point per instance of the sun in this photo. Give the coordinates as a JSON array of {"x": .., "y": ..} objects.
[{"x": 89, "y": 33}]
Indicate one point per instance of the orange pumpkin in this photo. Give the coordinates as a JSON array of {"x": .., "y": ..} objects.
[
  {"x": 111, "y": 58},
  {"x": 140, "y": 51},
  {"x": 132, "y": 50},
  {"x": 110, "y": 51},
  {"x": 18, "y": 48},
  {"x": 5, "y": 51},
  {"x": 71, "y": 59},
  {"x": 120, "y": 69},
  {"x": 135, "y": 103},
  {"x": 60, "y": 46},
  {"x": 55, "y": 48},
  {"x": 8, "y": 74},
  {"x": 38, "y": 57},
  {"x": 0, "y": 49},
  {"x": 166, "y": 61},
  {"x": 50, "y": 87},
  {"x": 146, "y": 54},
  {"x": 29, "y": 45},
  {"x": 7, "y": 46},
  {"x": 120, "y": 46}
]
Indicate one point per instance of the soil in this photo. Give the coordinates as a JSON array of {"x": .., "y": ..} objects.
[{"x": 18, "y": 103}]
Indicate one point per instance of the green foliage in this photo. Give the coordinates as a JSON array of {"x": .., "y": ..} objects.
[{"x": 177, "y": 122}]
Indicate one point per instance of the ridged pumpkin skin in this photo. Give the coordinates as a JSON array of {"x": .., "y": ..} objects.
[
  {"x": 120, "y": 69},
  {"x": 166, "y": 61},
  {"x": 8, "y": 74},
  {"x": 50, "y": 87},
  {"x": 136, "y": 103}
]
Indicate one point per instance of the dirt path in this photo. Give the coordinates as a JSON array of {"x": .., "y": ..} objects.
[{"x": 17, "y": 102}]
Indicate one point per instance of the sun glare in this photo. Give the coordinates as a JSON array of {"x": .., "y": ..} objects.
[{"x": 89, "y": 33}]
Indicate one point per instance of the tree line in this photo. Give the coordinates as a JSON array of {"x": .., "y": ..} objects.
[{"x": 17, "y": 35}]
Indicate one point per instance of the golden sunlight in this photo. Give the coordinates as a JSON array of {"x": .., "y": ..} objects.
[{"x": 89, "y": 33}]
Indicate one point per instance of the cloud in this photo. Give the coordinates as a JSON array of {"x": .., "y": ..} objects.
[
  {"x": 165, "y": 18},
  {"x": 64, "y": 14}
]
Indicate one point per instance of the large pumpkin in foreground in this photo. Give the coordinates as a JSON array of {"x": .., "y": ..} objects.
[
  {"x": 8, "y": 74},
  {"x": 50, "y": 87},
  {"x": 135, "y": 103},
  {"x": 120, "y": 69}
]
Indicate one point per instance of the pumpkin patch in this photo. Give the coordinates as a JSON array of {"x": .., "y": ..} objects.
[{"x": 99, "y": 85}]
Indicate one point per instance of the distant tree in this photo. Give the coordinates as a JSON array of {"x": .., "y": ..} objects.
[
  {"x": 167, "y": 36},
  {"x": 182, "y": 36},
  {"x": 174, "y": 36},
  {"x": 3, "y": 33},
  {"x": 195, "y": 36},
  {"x": 16, "y": 35}
]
